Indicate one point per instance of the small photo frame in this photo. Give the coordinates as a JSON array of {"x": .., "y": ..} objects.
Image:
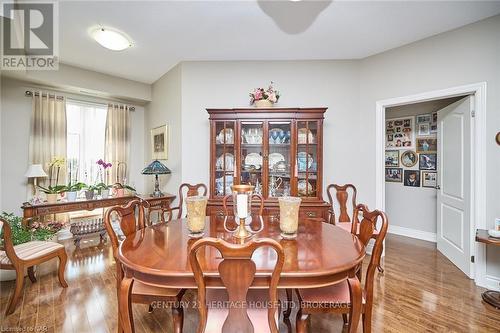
[
  {"x": 392, "y": 158},
  {"x": 424, "y": 129},
  {"x": 424, "y": 118},
  {"x": 429, "y": 179},
  {"x": 426, "y": 145},
  {"x": 412, "y": 178},
  {"x": 427, "y": 161},
  {"x": 409, "y": 158},
  {"x": 159, "y": 143},
  {"x": 394, "y": 175}
]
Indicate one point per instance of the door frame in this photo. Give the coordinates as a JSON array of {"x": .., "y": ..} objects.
[{"x": 478, "y": 165}]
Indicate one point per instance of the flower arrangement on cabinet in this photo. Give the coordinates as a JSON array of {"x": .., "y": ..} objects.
[
  {"x": 103, "y": 186},
  {"x": 264, "y": 97},
  {"x": 52, "y": 191}
]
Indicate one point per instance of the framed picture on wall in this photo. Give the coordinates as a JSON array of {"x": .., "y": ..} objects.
[
  {"x": 427, "y": 161},
  {"x": 412, "y": 178},
  {"x": 394, "y": 175},
  {"x": 409, "y": 158},
  {"x": 424, "y": 129},
  {"x": 434, "y": 123},
  {"x": 429, "y": 179},
  {"x": 426, "y": 145},
  {"x": 159, "y": 143},
  {"x": 399, "y": 133},
  {"x": 424, "y": 118},
  {"x": 392, "y": 158}
]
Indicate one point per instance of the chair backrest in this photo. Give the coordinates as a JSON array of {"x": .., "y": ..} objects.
[
  {"x": 7, "y": 244},
  {"x": 371, "y": 221},
  {"x": 127, "y": 221},
  {"x": 237, "y": 272},
  {"x": 192, "y": 190},
  {"x": 229, "y": 197},
  {"x": 342, "y": 195}
]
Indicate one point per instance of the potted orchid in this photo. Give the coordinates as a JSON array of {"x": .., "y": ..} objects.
[
  {"x": 263, "y": 98},
  {"x": 90, "y": 191},
  {"x": 52, "y": 191},
  {"x": 102, "y": 186}
]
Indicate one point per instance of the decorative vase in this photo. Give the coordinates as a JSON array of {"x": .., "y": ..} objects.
[
  {"x": 89, "y": 195},
  {"x": 52, "y": 197},
  {"x": 71, "y": 196},
  {"x": 104, "y": 193},
  {"x": 263, "y": 103}
]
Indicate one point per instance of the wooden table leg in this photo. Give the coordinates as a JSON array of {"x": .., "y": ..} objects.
[
  {"x": 125, "y": 305},
  {"x": 356, "y": 303}
]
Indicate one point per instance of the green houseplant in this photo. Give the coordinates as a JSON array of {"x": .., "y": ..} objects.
[
  {"x": 103, "y": 190},
  {"x": 52, "y": 192},
  {"x": 72, "y": 190},
  {"x": 90, "y": 191}
]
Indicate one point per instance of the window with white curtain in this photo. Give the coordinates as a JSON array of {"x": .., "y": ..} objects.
[{"x": 86, "y": 128}]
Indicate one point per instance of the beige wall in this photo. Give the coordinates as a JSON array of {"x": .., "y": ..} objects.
[
  {"x": 166, "y": 108},
  {"x": 15, "y": 114},
  {"x": 333, "y": 84},
  {"x": 467, "y": 55}
]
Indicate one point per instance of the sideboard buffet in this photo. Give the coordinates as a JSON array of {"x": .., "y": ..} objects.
[{"x": 278, "y": 150}]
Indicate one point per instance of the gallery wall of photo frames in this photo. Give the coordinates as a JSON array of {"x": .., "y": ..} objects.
[{"x": 411, "y": 150}]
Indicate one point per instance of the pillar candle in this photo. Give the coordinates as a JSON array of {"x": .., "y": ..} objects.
[{"x": 242, "y": 205}]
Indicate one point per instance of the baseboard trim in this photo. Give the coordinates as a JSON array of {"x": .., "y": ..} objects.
[
  {"x": 492, "y": 283},
  {"x": 413, "y": 233}
]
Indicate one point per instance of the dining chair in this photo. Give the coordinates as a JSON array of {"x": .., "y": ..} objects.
[
  {"x": 237, "y": 271},
  {"x": 141, "y": 293},
  {"x": 344, "y": 220},
  {"x": 185, "y": 190},
  {"x": 26, "y": 256},
  {"x": 336, "y": 298},
  {"x": 229, "y": 198},
  {"x": 342, "y": 193}
]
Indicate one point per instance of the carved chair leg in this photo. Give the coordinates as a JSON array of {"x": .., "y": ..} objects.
[
  {"x": 17, "y": 291},
  {"x": 63, "y": 258},
  {"x": 345, "y": 319},
  {"x": 356, "y": 303},
  {"x": 301, "y": 322},
  {"x": 367, "y": 322},
  {"x": 31, "y": 274},
  {"x": 125, "y": 305},
  {"x": 178, "y": 317},
  {"x": 289, "y": 300}
]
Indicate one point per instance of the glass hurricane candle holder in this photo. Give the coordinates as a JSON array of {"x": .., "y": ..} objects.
[
  {"x": 242, "y": 205},
  {"x": 196, "y": 214},
  {"x": 289, "y": 216}
]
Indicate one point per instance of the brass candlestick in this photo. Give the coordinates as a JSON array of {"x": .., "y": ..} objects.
[{"x": 242, "y": 200}]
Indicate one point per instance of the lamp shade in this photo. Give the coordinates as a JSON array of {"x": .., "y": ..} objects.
[
  {"x": 156, "y": 168},
  {"x": 35, "y": 171}
]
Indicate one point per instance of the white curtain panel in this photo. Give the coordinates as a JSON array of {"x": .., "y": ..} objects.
[
  {"x": 117, "y": 145},
  {"x": 48, "y": 133}
]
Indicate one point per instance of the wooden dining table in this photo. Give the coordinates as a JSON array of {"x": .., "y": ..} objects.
[{"x": 322, "y": 254}]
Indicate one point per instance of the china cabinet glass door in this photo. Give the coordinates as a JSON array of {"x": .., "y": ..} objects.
[
  {"x": 279, "y": 159},
  {"x": 306, "y": 167},
  {"x": 225, "y": 162},
  {"x": 252, "y": 153}
]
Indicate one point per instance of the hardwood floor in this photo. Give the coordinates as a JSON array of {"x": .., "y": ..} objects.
[{"x": 421, "y": 291}]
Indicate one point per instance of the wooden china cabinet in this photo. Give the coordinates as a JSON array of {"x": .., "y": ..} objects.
[{"x": 278, "y": 150}]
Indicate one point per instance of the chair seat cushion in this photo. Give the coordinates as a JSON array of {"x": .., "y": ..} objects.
[
  {"x": 258, "y": 314},
  {"x": 348, "y": 225},
  {"x": 31, "y": 250},
  {"x": 141, "y": 289},
  {"x": 337, "y": 295}
]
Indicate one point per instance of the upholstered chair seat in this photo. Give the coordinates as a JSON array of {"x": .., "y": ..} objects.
[{"x": 30, "y": 251}]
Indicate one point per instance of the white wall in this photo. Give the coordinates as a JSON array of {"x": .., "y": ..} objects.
[
  {"x": 333, "y": 84},
  {"x": 14, "y": 140},
  {"x": 467, "y": 55},
  {"x": 166, "y": 108}
]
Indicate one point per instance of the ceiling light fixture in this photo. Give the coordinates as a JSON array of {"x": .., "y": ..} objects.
[{"x": 111, "y": 39}]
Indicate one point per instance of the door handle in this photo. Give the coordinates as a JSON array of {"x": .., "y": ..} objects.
[{"x": 438, "y": 187}]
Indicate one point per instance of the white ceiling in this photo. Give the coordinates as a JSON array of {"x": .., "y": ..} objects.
[{"x": 165, "y": 33}]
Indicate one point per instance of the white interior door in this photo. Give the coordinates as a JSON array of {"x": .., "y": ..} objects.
[{"x": 454, "y": 177}]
